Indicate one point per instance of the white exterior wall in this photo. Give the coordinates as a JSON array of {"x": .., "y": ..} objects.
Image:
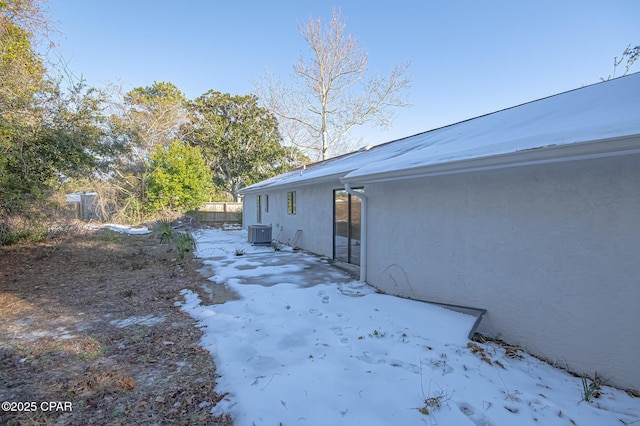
[
  {"x": 551, "y": 251},
  {"x": 314, "y": 216}
]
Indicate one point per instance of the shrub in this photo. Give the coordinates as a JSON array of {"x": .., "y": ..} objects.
[
  {"x": 164, "y": 229},
  {"x": 185, "y": 243},
  {"x": 179, "y": 178}
]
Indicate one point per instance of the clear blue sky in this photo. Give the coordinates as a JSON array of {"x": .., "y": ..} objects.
[{"x": 467, "y": 57}]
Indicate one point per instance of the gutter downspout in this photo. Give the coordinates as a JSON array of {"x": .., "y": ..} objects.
[{"x": 363, "y": 231}]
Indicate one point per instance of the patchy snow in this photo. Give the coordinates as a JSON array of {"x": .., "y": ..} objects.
[
  {"x": 123, "y": 229},
  {"x": 33, "y": 334},
  {"x": 147, "y": 320},
  {"x": 339, "y": 353}
]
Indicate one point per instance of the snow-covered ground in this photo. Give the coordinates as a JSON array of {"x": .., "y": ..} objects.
[
  {"x": 337, "y": 353},
  {"x": 123, "y": 229}
]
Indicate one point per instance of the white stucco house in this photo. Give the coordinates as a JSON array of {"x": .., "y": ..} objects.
[{"x": 532, "y": 213}]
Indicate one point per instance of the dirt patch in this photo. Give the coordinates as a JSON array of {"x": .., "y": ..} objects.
[{"x": 90, "y": 321}]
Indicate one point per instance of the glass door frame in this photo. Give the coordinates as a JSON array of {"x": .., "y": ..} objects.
[{"x": 351, "y": 218}]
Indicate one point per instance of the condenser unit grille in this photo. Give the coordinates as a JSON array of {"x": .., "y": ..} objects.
[{"x": 259, "y": 234}]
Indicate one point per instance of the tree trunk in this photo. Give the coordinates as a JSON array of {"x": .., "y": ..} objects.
[{"x": 234, "y": 192}]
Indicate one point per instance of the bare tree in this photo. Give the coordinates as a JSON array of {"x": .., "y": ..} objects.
[
  {"x": 157, "y": 112},
  {"x": 330, "y": 94},
  {"x": 631, "y": 55}
]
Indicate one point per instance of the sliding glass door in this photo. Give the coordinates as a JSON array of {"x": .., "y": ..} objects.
[{"x": 346, "y": 226}]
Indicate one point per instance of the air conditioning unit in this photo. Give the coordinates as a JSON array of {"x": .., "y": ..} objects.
[{"x": 259, "y": 234}]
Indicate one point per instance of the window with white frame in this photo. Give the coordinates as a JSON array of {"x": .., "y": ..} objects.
[{"x": 291, "y": 202}]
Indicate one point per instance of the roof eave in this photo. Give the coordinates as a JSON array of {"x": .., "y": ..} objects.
[
  {"x": 277, "y": 186},
  {"x": 545, "y": 154}
]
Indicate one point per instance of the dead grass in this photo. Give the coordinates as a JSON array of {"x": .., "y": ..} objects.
[{"x": 90, "y": 318}]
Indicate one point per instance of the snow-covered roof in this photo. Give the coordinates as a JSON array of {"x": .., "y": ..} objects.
[{"x": 591, "y": 121}]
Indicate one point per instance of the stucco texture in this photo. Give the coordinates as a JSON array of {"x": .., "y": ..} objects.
[
  {"x": 314, "y": 216},
  {"x": 551, "y": 251}
]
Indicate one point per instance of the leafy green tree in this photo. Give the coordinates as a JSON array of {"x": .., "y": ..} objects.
[
  {"x": 239, "y": 139},
  {"x": 21, "y": 77},
  {"x": 21, "y": 69},
  {"x": 179, "y": 178},
  {"x": 66, "y": 137},
  {"x": 143, "y": 119},
  {"x": 49, "y": 132}
]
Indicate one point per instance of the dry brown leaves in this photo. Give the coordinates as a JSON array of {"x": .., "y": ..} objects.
[
  {"x": 480, "y": 352},
  {"x": 90, "y": 319}
]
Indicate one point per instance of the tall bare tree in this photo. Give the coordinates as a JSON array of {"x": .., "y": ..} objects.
[
  {"x": 157, "y": 111},
  {"x": 331, "y": 94}
]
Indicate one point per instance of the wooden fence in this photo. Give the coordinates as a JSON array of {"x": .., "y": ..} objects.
[
  {"x": 219, "y": 212},
  {"x": 85, "y": 206}
]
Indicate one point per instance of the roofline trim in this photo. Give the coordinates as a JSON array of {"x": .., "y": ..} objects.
[
  {"x": 296, "y": 184},
  {"x": 600, "y": 148}
]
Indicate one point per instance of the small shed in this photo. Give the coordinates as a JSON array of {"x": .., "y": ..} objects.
[{"x": 85, "y": 204}]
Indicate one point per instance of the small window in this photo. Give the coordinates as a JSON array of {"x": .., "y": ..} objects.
[
  {"x": 258, "y": 210},
  {"x": 266, "y": 204},
  {"x": 291, "y": 202}
]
